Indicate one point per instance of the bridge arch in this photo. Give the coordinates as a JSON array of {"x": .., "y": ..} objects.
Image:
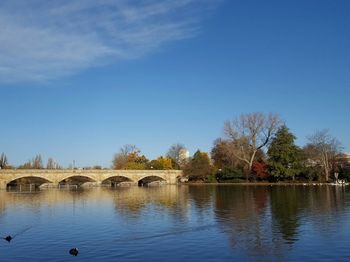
[
  {"x": 151, "y": 179},
  {"x": 76, "y": 179},
  {"x": 27, "y": 180},
  {"x": 116, "y": 180},
  {"x": 20, "y": 176}
]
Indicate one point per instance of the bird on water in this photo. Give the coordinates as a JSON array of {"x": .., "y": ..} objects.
[
  {"x": 74, "y": 252},
  {"x": 8, "y": 238}
]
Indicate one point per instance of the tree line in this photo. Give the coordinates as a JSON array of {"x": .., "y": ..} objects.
[
  {"x": 254, "y": 147},
  {"x": 35, "y": 163},
  {"x": 260, "y": 147},
  {"x": 128, "y": 157}
]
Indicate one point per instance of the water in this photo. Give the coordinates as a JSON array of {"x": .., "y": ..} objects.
[{"x": 178, "y": 223}]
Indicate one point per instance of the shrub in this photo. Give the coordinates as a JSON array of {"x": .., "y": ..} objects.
[{"x": 227, "y": 174}]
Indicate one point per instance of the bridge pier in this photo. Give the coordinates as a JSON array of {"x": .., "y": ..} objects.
[{"x": 3, "y": 184}]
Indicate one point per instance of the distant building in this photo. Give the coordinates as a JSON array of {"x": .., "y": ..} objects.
[
  {"x": 346, "y": 157},
  {"x": 344, "y": 160},
  {"x": 184, "y": 154}
]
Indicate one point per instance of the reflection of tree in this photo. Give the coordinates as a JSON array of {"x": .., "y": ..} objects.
[
  {"x": 2, "y": 203},
  {"x": 286, "y": 204},
  {"x": 236, "y": 210},
  {"x": 243, "y": 214},
  {"x": 260, "y": 198},
  {"x": 257, "y": 221},
  {"x": 202, "y": 199},
  {"x": 326, "y": 206},
  {"x": 201, "y": 195},
  {"x": 322, "y": 206},
  {"x": 132, "y": 201}
]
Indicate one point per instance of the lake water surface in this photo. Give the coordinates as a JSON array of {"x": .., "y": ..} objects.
[{"x": 178, "y": 223}]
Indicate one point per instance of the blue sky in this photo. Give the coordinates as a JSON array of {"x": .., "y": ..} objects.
[{"x": 79, "y": 79}]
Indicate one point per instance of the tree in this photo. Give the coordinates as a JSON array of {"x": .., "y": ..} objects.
[
  {"x": 283, "y": 155},
  {"x": 178, "y": 154},
  {"x": 120, "y": 160},
  {"x": 37, "y": 162},
  {"x": 230, "y": 174},
  {"x": 228, "y": 167},
  {"x": 129, "y": 158},
  {"x": 260, "y": 170},
  {"x": 161, "y": 163},
  {"x": 3, "y": 161},
  {"x": 26, "y": 165},
  {"x": 135, "y": 166},
  {"x": 250, "y": 133},
  {"x": 52, "y": 164},
  {"x": 311, "y": 169},
  {"x": 222, "y": 154},
  {"x": 199, "y": 167},
  {"x": 325, "y": 149}
]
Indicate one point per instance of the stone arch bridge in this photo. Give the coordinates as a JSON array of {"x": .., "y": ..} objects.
[{"x": 54, "y": 178}]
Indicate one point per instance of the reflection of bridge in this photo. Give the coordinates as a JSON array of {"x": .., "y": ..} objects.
[{"x": 98, "y": 177}]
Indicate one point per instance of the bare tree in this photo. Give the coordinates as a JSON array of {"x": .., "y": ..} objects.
[
  {"x": 51, "y": 164},
  {"x": 250, "y": 133},
  {"x": 3, "y": 161},
  {"x": 178, "y": 153},
  {"x": 37, "y": 162},
  {"x": 26, "y": 165},
  {"x": 325, "y": 150},
  {"x": 120, "y": 159}
]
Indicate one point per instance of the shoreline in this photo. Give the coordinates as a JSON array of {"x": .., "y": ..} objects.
[{"x": 264, "y": 184}]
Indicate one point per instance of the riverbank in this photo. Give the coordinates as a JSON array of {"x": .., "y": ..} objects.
[{"x": 266, "y": 184}]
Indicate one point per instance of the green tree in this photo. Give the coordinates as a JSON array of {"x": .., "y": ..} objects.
[
  {"x": 228, "y": 174},
  {"x": 283, "y": 155},
  {"x": 199, "y": 167}
]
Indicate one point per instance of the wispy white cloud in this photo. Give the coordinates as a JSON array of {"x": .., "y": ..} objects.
[{"x": 42, "y": 40}]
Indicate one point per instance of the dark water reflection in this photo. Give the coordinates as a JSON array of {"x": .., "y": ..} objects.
[{"x": 173, "y": 223}]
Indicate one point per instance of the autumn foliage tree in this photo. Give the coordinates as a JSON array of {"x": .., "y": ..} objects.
[
  {"x": 161, "y": 163},
  {"x": 199, "y": 167},
  {"x": 223, "y": 156},
  {"x": 129, "y": 157},
  {"x": 260, "y": 170}
]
